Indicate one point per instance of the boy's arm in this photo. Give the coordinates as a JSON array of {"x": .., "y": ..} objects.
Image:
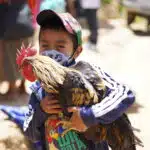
[{"x": 117, "y": 99}]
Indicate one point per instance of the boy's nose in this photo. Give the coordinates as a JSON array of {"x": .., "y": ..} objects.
[{"x": 51, "y": 47}]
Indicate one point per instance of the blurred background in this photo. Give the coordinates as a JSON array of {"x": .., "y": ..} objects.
[{"x": 116, "y": 36}]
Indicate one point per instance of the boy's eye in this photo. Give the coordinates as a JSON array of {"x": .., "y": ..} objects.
[
  {"x": 61, "y": 46},
  {"x": 45, "y": 46}
]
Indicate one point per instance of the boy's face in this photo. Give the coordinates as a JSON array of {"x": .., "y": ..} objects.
[{"x": 60, "y": 40}]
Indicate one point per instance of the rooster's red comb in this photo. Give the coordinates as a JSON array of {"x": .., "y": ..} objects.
[{"x": 25, "y": 52}]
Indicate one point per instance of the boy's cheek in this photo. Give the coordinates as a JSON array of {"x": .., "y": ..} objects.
[
  {"x": 41, "y": 49},
  {"x": 67, "y": 52}
]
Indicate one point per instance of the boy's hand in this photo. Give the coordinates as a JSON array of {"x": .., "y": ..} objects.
[
  {"x": 76, "y": 119},
  {"x": 50, "y": 105}
]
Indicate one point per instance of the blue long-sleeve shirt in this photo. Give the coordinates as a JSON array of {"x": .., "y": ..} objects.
[{"x": 117, "y": 99}]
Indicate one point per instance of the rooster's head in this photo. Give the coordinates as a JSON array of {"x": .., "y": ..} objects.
[{"x": 23, "y": 65}]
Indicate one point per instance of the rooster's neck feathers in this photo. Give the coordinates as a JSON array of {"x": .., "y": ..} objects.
[{"x": 50, "y": 73}]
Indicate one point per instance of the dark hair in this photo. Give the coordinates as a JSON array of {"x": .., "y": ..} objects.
[{"x": 57, "y": 25}]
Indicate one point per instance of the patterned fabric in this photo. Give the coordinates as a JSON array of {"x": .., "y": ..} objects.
[
  {"x": 57, "y": 56},
  {"x": 72, "y": 140},
  {"x": 72, "y": 25}
]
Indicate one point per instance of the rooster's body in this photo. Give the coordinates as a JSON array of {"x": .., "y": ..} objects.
[{"x": 80, "y": 85}]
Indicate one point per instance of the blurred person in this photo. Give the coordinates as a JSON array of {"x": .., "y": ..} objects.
[
  {"x": 15, "y": 29},
  {"x": 34, "y": 6},
  {"x": 90, "y": 8},
  {"x": 58, "y": 6},
  {"x": 71, "y": 7},
  {"x": 1, "y": 57}
]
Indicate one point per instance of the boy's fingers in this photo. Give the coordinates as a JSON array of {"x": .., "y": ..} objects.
[
  {"x": 50, "y": 105},
  {"x": 73, "y": 109},
  {"x": 54, "y": 111},
  {"x": 52, "y": 101},
  {"x": 53, "y": 106}
]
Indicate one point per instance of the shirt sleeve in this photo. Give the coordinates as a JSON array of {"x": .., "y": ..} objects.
[
  {"x": 35, "y": 119},
  {"x": 116, "y": 101}
]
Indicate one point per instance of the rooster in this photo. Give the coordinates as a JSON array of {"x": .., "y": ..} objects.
[{"x": 79, "y": 85}]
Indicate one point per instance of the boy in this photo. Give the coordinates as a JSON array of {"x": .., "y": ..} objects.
[
  {"x": 90, "y": 11},
  {"x": 60, "y": 35}
]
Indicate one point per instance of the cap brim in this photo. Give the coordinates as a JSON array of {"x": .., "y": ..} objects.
[{"x": 46, "y": 15}]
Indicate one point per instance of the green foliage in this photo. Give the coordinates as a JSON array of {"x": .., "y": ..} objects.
[
  {"x": 121, "y": 8},
  {"x": 106, "y": 1}
]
